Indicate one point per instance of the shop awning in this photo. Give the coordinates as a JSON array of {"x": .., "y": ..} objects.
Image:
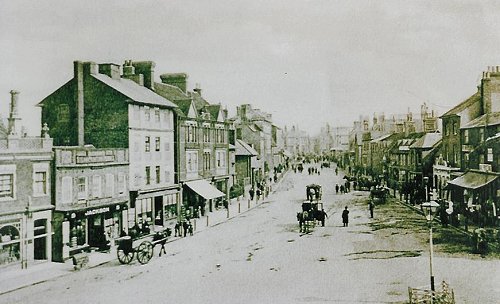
[
  {"x": 155, "y": 193},
  {"x": 473, "y": 180},
  {"x": 204, "y": 189}
]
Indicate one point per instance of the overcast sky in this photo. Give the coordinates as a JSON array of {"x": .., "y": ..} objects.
[{"x": 305, "y": 62}]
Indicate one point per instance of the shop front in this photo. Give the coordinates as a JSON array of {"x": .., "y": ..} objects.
[
  {"x": 88, "y": 228},
  {"x": 25, "y": 238},
  {"x": 152, "y": 211},
  {"x": 200, "y": 195}
]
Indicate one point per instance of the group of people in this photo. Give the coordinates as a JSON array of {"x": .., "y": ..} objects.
[
  {"x": 345, "y": 188},
  {"x": 183, "y": 228},
  {"x": 313, "y": 170},
  {"x": 256, "y": 192}
]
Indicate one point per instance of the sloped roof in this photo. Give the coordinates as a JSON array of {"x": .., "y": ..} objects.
[
  {"x": 134, "y": 91},
  {"x": 184, "y": 106},
  {"x": 490, "y": 119},
  {"x": 428, "y": 140},
  {"x": 473, "y": 180},
  {"x": 381, "y": 138},
  {"x": 463, "y": 105},
  {"x": 199, "y": 101},
  {"x": 242, "y": 148},
  {"x": 213, "y": 109},
  {"x": 170, "y": 92}
]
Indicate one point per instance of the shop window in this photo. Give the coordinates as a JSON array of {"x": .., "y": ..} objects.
[
  {"x": 82, "y": 188},
  {"x": 6, "y": 185},
  {"x": 67, "y": 189},
  {"x": 40, "y": 241},
  {"x": 77, "y": 233},
  {"x": 40, "y": 183},
  {"x": 10, "y": 250}
]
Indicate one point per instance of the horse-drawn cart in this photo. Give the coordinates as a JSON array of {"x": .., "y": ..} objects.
[{"x": 144, "y": 252}]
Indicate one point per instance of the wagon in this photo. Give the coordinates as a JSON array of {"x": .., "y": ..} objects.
[
  {"x": 313, "y": 192},
  {"x": 144, "y": 252}
]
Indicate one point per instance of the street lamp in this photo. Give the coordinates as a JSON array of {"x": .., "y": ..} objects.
[{"x": 429, "y": 209}]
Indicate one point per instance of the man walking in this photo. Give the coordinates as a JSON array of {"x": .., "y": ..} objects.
[
  {"x": 345, "y": 217},
  {"x": 371, "y": 206},
  {"x": 323, "y": 216},
  {"x": 336, "y": 188}
]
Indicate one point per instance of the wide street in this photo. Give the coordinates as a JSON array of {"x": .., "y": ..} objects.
[{"x": 260, "y": 257}]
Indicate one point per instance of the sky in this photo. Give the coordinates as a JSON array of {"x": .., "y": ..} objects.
[{"x": 305, "y": 62}]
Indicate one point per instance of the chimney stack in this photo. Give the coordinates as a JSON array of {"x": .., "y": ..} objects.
[
  {"x": 129, "y": 73},
  {"x": 197, "y": 89},
  {"x": 146, "y": 68},
  {"x": 13, "y": 114},
  {"x": 175, "y": 79},
  {"x": 110, "y": 69}
]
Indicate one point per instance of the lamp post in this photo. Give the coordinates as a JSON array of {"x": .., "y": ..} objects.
[{"x": 429, "y": 210}]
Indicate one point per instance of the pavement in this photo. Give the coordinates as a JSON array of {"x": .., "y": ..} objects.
[{"x": 13, "y": 278}]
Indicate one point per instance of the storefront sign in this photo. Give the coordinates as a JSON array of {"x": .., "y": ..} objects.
[{"x": 97, "y": 211}]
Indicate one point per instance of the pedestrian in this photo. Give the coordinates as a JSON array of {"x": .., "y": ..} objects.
[
  {"x": 336, "y": 171},
  {"x": 259, "y": 193},
  {"x": 185, "y": 227},
  {"x": 354, "y": 184},
  {"x": 160, "y": 237},
  {"x": 371, "y": 206},
  {"x": 345, "y": 217},
  {"x": 342, "y": 189},
  {"x": 190, "y": 228},
  {"x": 323, "y": 216},
  {"x": 336, "y": 188},
  {"x": 177, "y": 229},
  {"x": 252, "y": 193},
  {"x": 348, "y": 186}
]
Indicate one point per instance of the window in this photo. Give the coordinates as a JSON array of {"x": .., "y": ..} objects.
[
  {"x": 147, "y": 144},
  {"x": 206, "y": 160},
  {"x": 167, "y": 146},
  {"x": 157, "y": 115},
  {"x": 158, "y": 173},
  {"x": 7, "y": 185},
  {"x": 221, "y": 159},
  {"x": 82, "y": 187},
  {"x": 454, "y": 127},
  {"x": 96, "y": 186},
  {"x": 481, "y": 135},
  {"x": 148, "y": 175},
  {"x": 489, "y": 155},
  {"x": 466, "y": 159},
  {"x": 167, "y": 176},
  {"x": 466, "y": 136},
  {"x": 192, "y": 161},
  {"x": 157, "y": 144},
  {"x": 206, "y": 134},
  {"x": 40, "y": 181},
  {"x": 63, "y": 113},
  {"x": 122, "y": 186},
  {"x": 147, "y": 113},
  {"x": 67, "y": 189},
  {"x": 110, "y": 185}
]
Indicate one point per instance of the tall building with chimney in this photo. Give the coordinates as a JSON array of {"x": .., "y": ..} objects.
[
  {"x": 25, "y": 196},
  {"x": 114, "y": 113}
]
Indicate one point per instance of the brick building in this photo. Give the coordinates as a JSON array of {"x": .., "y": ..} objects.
[
  {"x": 100, "y": 106},
  {"x": 25, "y": 197}
]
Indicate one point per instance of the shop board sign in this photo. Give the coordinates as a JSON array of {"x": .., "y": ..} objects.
[{"x": 97, "y": 211}]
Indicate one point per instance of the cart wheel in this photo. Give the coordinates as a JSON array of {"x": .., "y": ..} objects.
[
  {"x": 144, "y": 252},
  {"x": 125, "y": 257}
]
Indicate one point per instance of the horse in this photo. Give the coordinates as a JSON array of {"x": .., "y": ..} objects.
[{"x": 303, "y": 217}]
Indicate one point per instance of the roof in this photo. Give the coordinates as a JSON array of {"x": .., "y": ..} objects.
[
  {"x": 242, "y": 148},
  {"x": 427, "y": 141},
  {"x": 463, "y": 105},
  {"x": 184, "y": 106},
  {"x": 473, "y": 180},
  {"x": 135, "y": 92},
  {"x": 213, "y": 109},
  {"x": 199, "y": 101},
  {"x": 381, "y": 138},
  {"x": 170, "y": 92},
  {"x": 490, "y": 119}
]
